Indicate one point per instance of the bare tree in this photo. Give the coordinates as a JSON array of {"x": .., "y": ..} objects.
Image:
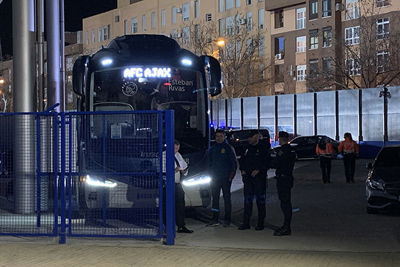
[
  {"x": 241, "y": 56},
  {"x": 368, "y": 55}
]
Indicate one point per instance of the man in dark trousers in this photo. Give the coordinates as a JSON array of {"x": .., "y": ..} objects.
[
  {"x": 254, "y": 166},
  {"x": 284, "y": 164},
  {"x": 222, "y": 167}
]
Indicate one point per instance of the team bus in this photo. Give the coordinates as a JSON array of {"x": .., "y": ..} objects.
[{"x": 144, "y": 72}]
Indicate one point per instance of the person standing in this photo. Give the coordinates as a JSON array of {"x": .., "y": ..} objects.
[
  {"x": 324, "y": 150},
  {"x": 181, "y": 168},
  {"x": 222, "y": 167},
  {"x": 254, "y": 166},
  {"x": 349, "y": 149},
  {"x": 284, "y": 164}
]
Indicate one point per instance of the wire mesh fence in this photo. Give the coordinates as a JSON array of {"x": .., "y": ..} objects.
[{"x": 85, "y": 174}]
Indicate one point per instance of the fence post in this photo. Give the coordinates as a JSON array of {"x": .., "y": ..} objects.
[
  {"x": 337, "y": 115},
  {"x": 241, "y": 114},
  {"x": 276, "y": 119},
  {"x": 295, "y": 114},
  {"x": 62, "y": 178},
  {"x": 315, "y": 114},
  {"x": 170, "y": 177},
  {"x": 360, "y": 129}
]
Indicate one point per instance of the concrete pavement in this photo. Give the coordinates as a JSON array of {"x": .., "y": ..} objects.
[{"x": 330, "y": 229}]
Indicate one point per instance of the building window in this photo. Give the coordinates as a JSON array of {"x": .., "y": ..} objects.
[
  {"x": 313, "y": 68},
  {"x": 87, "y": 38},
  {"x": 221, "y": 5},
  {"x": 237, "y": 3},
  {"x": 186, "y": 35},
  {"x": 313, "y": 39},
  {"x": 382, "y": 60},
  {"x": 134, "y": 25},
  {"x": 301, "y": 73},
  {"x": 353, "y": 67},
  {"x": 153, "y": 20},
  {"x": 163, "y": 18},
  {"x": 352, "y": 9},
  {"x": 382, "y": 28},
  {"x": 99, "y": 34},
  {"x": 208, "y": 17},
  {"x": 327, "y": 37},
  {"x": 144, "y": 23},
  {"x": 106, "y": 32},
  {"x": 186, "y": 12},
  {"x": 327, "y": 65},
  {"x": 326, "y": 8},
  {"x": 126, "y": 27},
  {"x": 313, "y": 9},
  {"x": 221, "y": 27},
  {"x": 261, "y": 47},
  {"x": 261, "y": 18},
  {"x": 117, "y": 18},
  {"x": 173, "y": 15},
  {"x": 229, "y": 4},
  {"x": 279, "y": 18},
  {"x": 230, "y": 26},
  {"x": 301, "y": 44},
  {"x": 93, "y": 37},
  {"x": 279, "y": 73},
  {"x": 382, "y": 3},
  {"x": 301, "y": 18},
  {"x": 248, "y": 2},
  {"x": 352, "y": 35},
  {"x": 279, "y": 48},
  {"x": 249, "y": 21},
  {"x": 196, "y": 8}
]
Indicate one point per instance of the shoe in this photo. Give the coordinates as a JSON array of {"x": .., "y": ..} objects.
[
  {"x": 226, "y": 224},
  {"x": 283, "y": 231},
  {"x": 244, "y": 227},
  {"x": 213, "y": 223},
  {"x": 184, "y": 230},
  {"x": 259, "y": 227}
]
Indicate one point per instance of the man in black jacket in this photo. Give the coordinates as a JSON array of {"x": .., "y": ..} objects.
[
  {"x": 254, "y": 164},
  {"x": 222, "y": 167},
  {"x": 284, "y": 164}
]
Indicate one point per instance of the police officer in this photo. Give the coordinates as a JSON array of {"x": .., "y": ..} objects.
[
  {"x": 254, "y": 166},
  {"x": 222, "y": 167},
  {"x": 284, "y": 164}
]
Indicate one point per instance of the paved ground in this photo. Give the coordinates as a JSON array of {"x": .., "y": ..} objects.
[{"x": 331, "y": 228}]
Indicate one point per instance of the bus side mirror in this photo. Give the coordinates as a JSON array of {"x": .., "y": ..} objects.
[
  {"x": 79, "y": 73},
  {"x": 215, "y": 75}
]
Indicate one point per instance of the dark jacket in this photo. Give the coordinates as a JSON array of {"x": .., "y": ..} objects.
[
  {"x": 255, "y": 157},
  {"x": 284, "y": 164},
  {"x": 222, "y": 161}
]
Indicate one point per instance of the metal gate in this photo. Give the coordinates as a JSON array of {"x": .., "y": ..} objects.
[{"x": 88, "y": 174}]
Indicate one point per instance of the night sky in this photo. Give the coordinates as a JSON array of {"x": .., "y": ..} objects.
[{"x": 75, "y": 10}]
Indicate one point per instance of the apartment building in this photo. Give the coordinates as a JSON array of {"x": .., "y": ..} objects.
[
  {"x": 186, "y": 20},
  {"x": 316, "y": 44}
]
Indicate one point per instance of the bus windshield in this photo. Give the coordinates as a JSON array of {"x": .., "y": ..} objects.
[{"x": 183, "y": 92}]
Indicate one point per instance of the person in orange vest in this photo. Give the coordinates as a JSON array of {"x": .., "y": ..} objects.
[
  {"x": 324, "y": 150},
  {"x": 349, "y": 149}
]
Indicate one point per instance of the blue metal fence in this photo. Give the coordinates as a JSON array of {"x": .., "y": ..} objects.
[{"x": 87, "y": 174}]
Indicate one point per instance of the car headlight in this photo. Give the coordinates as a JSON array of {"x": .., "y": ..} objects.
[
  {"x": 96, "y": 182},
  {"x": 199, "y": 180},
  {"x": 376, "y": 184}
]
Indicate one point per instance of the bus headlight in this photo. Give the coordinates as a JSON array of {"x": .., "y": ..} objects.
[
  {"x": 198, "y": 180},
  {"x": 96, "y": 182}
]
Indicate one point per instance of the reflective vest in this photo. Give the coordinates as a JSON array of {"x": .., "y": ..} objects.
[
  {"x": 348, "y": 147},
  {"x": 324, "y": 152}
]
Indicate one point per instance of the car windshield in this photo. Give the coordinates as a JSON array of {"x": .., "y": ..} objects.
[{"x": 388, "y": 157}]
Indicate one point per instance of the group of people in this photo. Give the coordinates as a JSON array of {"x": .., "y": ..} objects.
[
  {"x": 348, "y": 149},
  {"x": 253, "y": 165}
]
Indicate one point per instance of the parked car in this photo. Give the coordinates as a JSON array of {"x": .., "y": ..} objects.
[
  {"x": 238, "y": 138},
  {"x": 305, "y": 145},
  {"x": 383, "y": 182}
]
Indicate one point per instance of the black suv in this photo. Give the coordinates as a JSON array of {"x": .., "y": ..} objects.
[{"x": 383, "y": 182}]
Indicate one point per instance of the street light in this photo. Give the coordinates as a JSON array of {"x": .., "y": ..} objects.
[{"x": 221, "y": 43}]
